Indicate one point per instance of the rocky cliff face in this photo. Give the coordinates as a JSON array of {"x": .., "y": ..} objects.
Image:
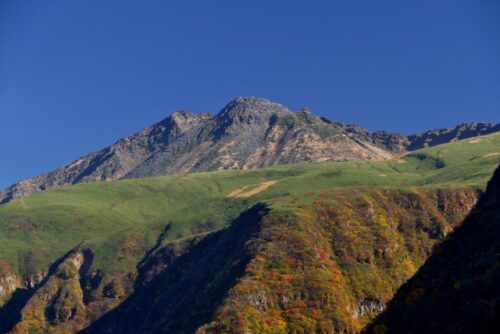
[
  {"x": 61, "y": 301},
  {"x": 247, "y": 133}
]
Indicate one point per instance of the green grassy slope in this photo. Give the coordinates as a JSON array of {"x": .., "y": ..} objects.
[{"x": 121, "y": 220}]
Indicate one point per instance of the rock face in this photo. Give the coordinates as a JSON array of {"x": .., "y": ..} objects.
[
  {"x": 8, "y": 284},
  {"x": 61, "y": 302},
  {"x": 441, "y": 136},
  {"x": 247, "y": 133},
  {"x": 456, "y": 290}
]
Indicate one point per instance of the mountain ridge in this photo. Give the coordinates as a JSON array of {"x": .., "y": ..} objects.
[{"x": 247, "y": 133}]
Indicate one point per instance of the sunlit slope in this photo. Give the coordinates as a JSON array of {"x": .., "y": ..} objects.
[{"x": 121, "y": 220}]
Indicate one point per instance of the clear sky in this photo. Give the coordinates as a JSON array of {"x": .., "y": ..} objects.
[{"x": 77, "y": 75}]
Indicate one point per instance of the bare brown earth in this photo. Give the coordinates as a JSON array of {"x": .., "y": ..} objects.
[{"x": 241, "y": 193}]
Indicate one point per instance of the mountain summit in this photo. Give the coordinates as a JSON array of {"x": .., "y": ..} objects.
[{"x": 247, "y": 133}]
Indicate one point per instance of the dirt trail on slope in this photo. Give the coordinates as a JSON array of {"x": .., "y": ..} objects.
[
  {"x": 241, "y": 193},
  {"x": 475, "y": 140}
]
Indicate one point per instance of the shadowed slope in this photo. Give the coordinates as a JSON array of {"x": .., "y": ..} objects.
[
  {"x": 457, "y": 290},
  {"x": 186, "y": 293}
]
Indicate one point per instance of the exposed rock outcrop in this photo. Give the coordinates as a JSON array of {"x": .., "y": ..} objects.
[
  {"x": 8, "y": 284},
  {"x": 60, "y": 301},
  {"x": 440, "y": 136}
]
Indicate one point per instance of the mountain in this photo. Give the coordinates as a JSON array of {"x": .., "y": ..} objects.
[
  {"x": 247, "y": 133},
  {"x": 456, "y": 290},
  {"x": 296, "y": 248},
  {"x": 442, "y": 136}
]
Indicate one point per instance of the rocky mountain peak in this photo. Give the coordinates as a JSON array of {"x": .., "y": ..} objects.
[
  {"x": 246, "y": 113},
  {"x": 242, "y": 106},
  {"x": 249, "y": 132},
  {"x": 251, "y": 102}
]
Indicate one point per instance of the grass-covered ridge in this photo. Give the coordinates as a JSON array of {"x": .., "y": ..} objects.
[{"x": 121, "y": 220}]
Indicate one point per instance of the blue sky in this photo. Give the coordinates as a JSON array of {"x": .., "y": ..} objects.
[{"x": 77, "y": 75}]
